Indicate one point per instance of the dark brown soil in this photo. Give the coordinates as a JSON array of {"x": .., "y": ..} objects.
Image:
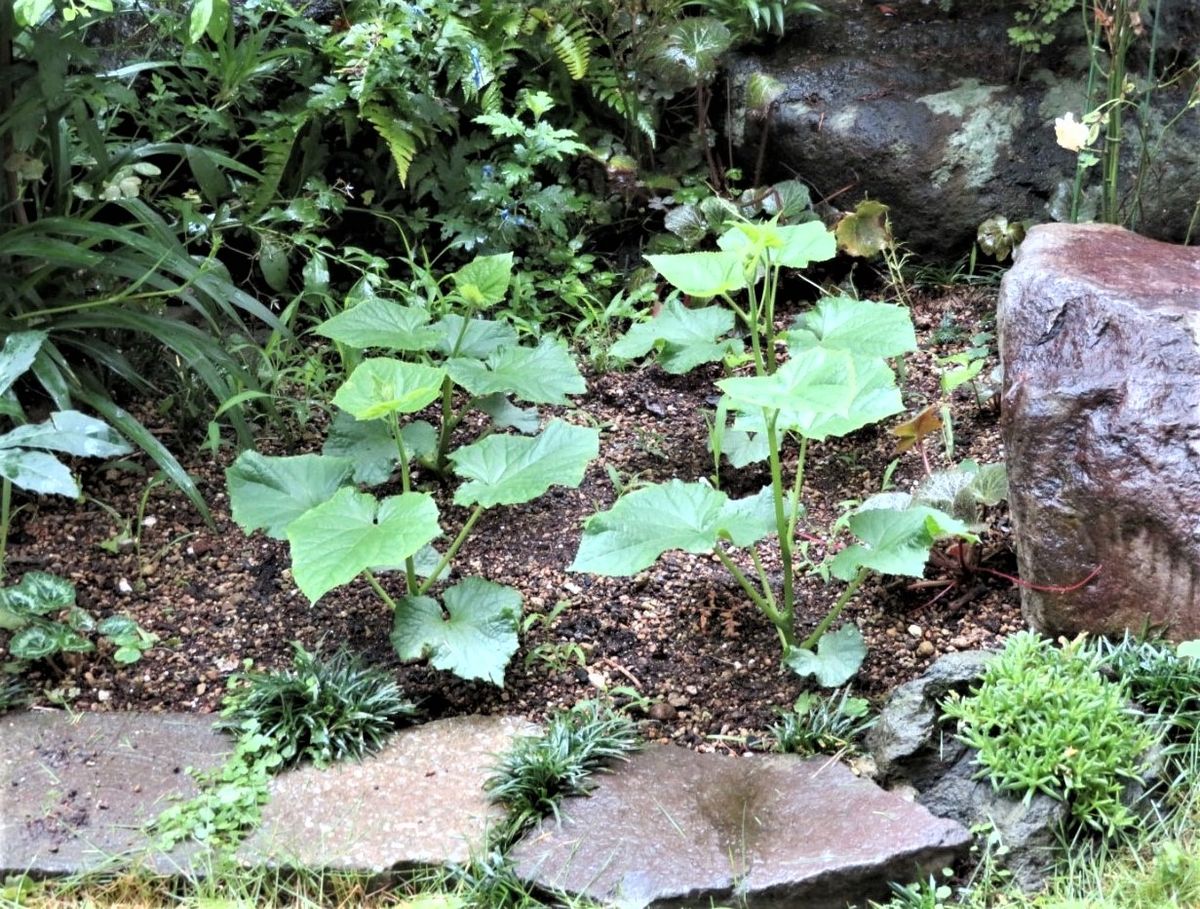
[{"x": 681, "y": 633}]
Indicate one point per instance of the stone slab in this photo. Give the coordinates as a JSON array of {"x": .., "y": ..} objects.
[
  {"x": 419, "y": 801},
  {"x": 77, "y": 789},
  {"x": 673, "y": 828}
]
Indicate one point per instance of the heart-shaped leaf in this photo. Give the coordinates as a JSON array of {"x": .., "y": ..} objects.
[
  {"x": 685, "y": 337},
  {"x": 815, "y": 382},
  {"x": 507, "y": 470},
  {"x": 381, "y": 323},
  {"x": 649, "y": 521},
  {"x": 545, "y": 374},
  {"x": 484, "y": 281},
  {"x": 478, "y": 338},
  {"x": 335, "y": 541},
  {"x": 506, "y": 415},
  {"x": 702, "y": 274},
  {"x": 839, "y": 655},
  {"x": 865, "y": 232},
  {"x": 862, "y": 327},
  {"x": 369, "y": 445},
  {"x": 270, "y": 492},
  {"x": 38, "y": 593},
  {"x": 476, "y": 641},
  {"x": 895, "y": 542},
  {"x": 380, "y": 386}
]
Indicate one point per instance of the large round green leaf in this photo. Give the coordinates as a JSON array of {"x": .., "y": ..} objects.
[
  {"x": 507, "y": 470},
  {"x": 545, "y": 374},
  {"x": 381, "y": 323},
  {"x": 649, "y": 521},
  {"x": 334, "y": 542},
  {"x": 475, "y": 640},
  {"x": 382, "y": 386},
  {"x": 270, "y": 492}
]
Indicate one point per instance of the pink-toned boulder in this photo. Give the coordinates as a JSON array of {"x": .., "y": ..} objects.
[{"x": 1100, "y": 341}]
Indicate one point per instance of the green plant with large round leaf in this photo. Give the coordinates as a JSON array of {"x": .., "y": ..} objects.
[
  {"x": 835, "y": 379},
  {"x": 442, "y": 370}
]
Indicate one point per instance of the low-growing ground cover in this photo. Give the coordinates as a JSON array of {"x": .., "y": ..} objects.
[{"x": 680, "y": 639}]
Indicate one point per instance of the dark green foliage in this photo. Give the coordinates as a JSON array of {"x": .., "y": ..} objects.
[
  {"x": 539, "y": 771},
  {"x": 820, "y": 724},
  {"x": 12, "y": 692},
  {"x": 1164, "y": 684},
  {"x": 1044, "y": 719},
  {"x": 322, "y": 709}
]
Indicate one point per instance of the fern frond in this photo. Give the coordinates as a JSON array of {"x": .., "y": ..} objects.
[
  {"x": 400, "y": 141},
  {"x": 569, "y": 38},
  {"x": 277, "y": 146}
]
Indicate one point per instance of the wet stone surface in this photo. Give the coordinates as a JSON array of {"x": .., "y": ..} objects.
[
  {"x": 419, "y": 801},
  {"x": 76, "y": 791},
  {"x": 673, "y": 828},
  {"x": 1100, "y": 340}
]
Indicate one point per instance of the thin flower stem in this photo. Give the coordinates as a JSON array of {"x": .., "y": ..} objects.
[{"x": 763, "y": 578}]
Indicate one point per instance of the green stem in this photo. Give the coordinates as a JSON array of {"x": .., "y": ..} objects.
[
  {"x": 797, "y": 487},
  {"x": 448, "y": 422},
  {"x": 772, "y": 288},
  {"x": 452, "y": 551},
  {"x": 5, "y": 516},
  {"x": 781, "y": 520},
  {"x": 410, "y": 565},
  {"x": 756, "y": 597},
  {"x": 378, "y": 588},
  {"x": 763, "y": 579},
  {"x": 811, "y": 641}
]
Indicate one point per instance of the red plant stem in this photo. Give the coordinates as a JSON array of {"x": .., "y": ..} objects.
[{"x": 1044, "y": 589}]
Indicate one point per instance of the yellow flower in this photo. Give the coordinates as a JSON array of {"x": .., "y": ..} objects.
[{"x": 1071, "y": 134}]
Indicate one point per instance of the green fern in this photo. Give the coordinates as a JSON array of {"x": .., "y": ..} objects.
[
  {"x": 569, "y": 38},
  {"x": 277, "y": 148},
  {"x": 606, "y": 87},
  {"x": 402, "y": 142}
]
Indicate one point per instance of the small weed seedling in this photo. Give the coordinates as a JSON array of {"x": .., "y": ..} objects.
[
  {"x": 835, "y": 380},
  {"x": 459, "y": 363}
]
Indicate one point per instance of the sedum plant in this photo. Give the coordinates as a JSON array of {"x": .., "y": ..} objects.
[
  {"x": 1044, "y": 719},
  {"x": 834, "y": 380},
  {"x": 457, "y": 364}
]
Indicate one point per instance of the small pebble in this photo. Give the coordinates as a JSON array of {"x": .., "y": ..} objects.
[
  {"x": 664, "y": 713},
  {"x": 925, "y": 648},
  {"x": 916, "y": 630},
  {"x": 124, "y": 587}
]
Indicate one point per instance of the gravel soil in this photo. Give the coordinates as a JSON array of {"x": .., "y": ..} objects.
[{"x": 704, "y": 663}]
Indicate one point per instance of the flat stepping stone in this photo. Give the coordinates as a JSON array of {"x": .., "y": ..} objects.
[
  {"x": 675, "y": 828},
  {"x": 419, "y": 801},
  {"x": 77, "y": 789}
]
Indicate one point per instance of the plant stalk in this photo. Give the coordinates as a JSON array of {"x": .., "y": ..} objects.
[
  {"x": 5, "y": 517},
  {"x": 851, "y": 588},
  {"x": 781, "y": 520},
  {"x": 452, "y": 551}
]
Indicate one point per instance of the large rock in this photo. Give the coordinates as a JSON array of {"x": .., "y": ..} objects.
[
  {"x": 673, "y": 828},
  {"x": 76, "y": 790},
  {"x": 1100, "y": 343},
  {"x": 419, "y": 801},
  {"x": 922, "y": 111}
]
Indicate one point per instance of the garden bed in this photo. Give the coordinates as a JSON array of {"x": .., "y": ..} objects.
[{"x": 680, "y": 634}]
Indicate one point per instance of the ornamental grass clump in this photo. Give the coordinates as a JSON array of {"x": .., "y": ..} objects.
[
  {"x": 321, "y": 709},
  {"x": 1044, "y": 719},
  {"x": 539, "y": 771}
]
